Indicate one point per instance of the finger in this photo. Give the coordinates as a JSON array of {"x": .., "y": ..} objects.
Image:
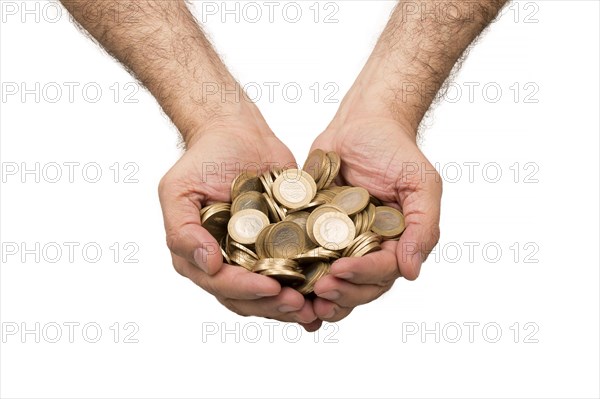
[
  {"x": 312, "y": 327},
  {"x": 346, "y": 294},
  {"x": 306, "y": 315},
  {"x": 421, "y": 235},
  {"x": 379, "y": 268},
  {"x": 329, "y": 311},
  {"x": 421, "y": 210},
  {"x": 289, "y": 306},
  {"x": 230, "y": 281},
  {"x": 185, "y": 235}
]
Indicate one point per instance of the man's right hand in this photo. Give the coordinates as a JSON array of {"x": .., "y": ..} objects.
[
  {"x": 196, "y": 255},
  {"x": 167, "y": 51}
]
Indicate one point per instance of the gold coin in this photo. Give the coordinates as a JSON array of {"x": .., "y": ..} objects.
[
  {"x": 310, "y": 219},
  {"x": 245, "y": 181},
  {"x": 249, "y": 200},
  {"x": 294, "y": 188},
  {"x": 356, "y": 242},
  {"x": 334, "y": 230},
  {"x": 326, "y": 195},
  {"x": 338, "y": 189},
  {"x": 301, "y": 218},
  {"x": 316, "y": 163},
  {"x": 262, "y": 251},
  {"x": 310, "y": 222},
  {"x": 358, "y": 223},
  {"x": 266, "y": 264},
  {"x": 266, "y": 180},
  {"x": 352, "y": 200},
  {"x": 281, "y": 211},
  {"x": 262, "y": 265},
  {"x": 322, "y": 182},
  {"x": 236, "y": 245},
  {"x": 275, "y": 212},
  {"x": 317, "y": 254},
  {"x": 365, "y": 243},
  {"x": 225, "y": 243},
  {"x": 214, "y": 219},
  {"x": 245, "y": 225},
  {"x": 241, "y": 258},
  {"x": 367, "y": 249},
  {"x": 309, "y": 206},
  {"x": 389, "y": 222},
  {"x": 335, "y": 165},
  {"x": 225, "y": 256},
  {"x": 360, "y": 241},
  {"x": 313, "y": 273},
  {"x": 369, "y": 241},
  {"x": 371, "y": 211},
  {"x": 275, "y": 172},
  {"x": 375, "y": 201},
  {"x": 286, "y": 277},
  {"x": 286, "y": 271},
  {"x": 286, "y": 240},
  {"x": 364, "y": 220},
  {"x": 209, "y": 212},
  {"x": 297, "y": 217}
]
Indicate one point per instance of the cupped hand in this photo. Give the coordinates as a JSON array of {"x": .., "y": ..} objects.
[
  {"x": 382, "y": 156},
  {"x": 203, "y": 175}
]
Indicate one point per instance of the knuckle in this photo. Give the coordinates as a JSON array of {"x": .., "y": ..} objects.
[
  {"x": 433, "y": 178},
  {"x": 341, "y": 313},
  {"x": 163, "y": 185},
  {"x": 172, "y": 239},
  {"x": 435, "y": 237},
  {"x": 179, "y": 268}
]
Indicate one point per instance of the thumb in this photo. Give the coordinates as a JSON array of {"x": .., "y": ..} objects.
[
  {"x": 422, "y": 218},
  {"x": 185, "y": 235}
]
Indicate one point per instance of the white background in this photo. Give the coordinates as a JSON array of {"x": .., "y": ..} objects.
[{"x": 551, "y": 212}]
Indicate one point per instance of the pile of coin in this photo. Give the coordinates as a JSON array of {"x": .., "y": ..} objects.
[{"x": 291, "y": 224}]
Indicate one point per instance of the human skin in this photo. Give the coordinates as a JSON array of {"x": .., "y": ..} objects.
[
  {"x": 163, "y": 46},
  {"x": 375, "y": 134}
]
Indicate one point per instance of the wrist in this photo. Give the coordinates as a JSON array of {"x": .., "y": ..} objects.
[
  {"x": 383, "y": 91},
  {"x": 218, "y": 107}
]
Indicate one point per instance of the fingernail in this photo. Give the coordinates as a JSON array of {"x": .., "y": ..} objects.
[
  {"x": 345, "y": 275},
  {"x": 330, "y": 314},
  {"x": 286, "y": 308},
  {"x": 331, "y": 295},
  {"x": 201, "y": 259}
]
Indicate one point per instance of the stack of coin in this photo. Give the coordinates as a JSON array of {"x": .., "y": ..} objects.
[
  {"x": 286, "y": 271},
  {"x": 362, "y": 245},
  {"x": 214, "y": 218},
  {"x": 290, "y": 224}
]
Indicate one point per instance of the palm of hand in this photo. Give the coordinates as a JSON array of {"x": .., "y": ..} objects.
[
  {"x": 210, "y": 165},
  {"x": 381, "y": 156},
  {"x": 204, "y": 175},
  {"x": 377, "y": 155}
]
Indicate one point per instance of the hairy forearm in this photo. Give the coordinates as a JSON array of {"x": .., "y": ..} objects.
[
  {"x": 414, "y": 56},
  {"x": 162, "y": 45}
]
